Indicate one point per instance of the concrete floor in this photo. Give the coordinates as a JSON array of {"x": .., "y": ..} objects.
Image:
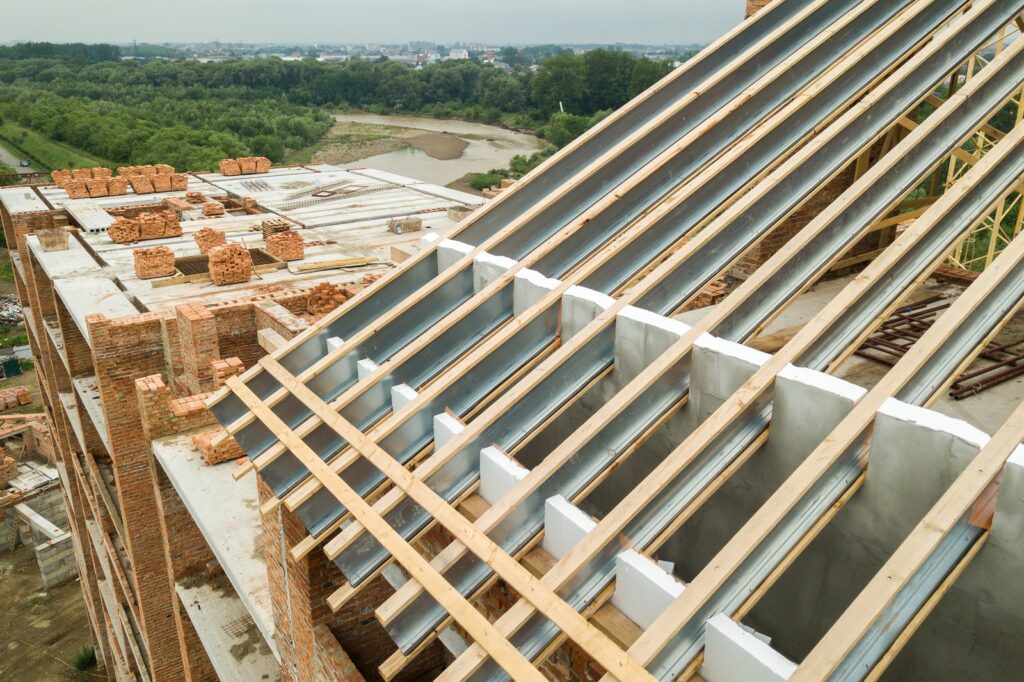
[{"x": 40, "y": 631}]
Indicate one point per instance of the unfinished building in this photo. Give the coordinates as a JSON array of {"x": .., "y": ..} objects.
[
  {"x": 725, "y": 389},
  {"x": 565, "y": 466},
  {"x": 138, "y": 305}
]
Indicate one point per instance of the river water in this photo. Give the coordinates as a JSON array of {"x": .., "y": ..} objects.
[{"x": 489, "y": 147}]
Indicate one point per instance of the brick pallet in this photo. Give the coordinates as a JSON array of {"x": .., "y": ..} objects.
[
  {"x": 286, "y": 246},
  {"x": 207, "y": 238},
  {"x": 156, "y": 261},
  {"x": 146, "y": 226},
  {"x": 230, "y": 264},
  {"x": 246, "y": 165}
]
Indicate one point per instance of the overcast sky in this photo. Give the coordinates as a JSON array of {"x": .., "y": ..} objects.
[{"x": 374, "y": 21}]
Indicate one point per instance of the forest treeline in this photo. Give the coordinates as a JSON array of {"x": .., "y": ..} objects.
[{"x": 192, "y": 114}]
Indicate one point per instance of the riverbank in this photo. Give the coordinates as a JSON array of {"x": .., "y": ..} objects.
[{"x": 441, "y": 151}]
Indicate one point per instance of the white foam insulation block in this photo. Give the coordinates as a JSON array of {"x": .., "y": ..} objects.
[
  {"x": 498, "y": 474},
  {"x": 450, "y": 252},
  {"x": 528, "y": 287},
  {"x": 733, "y": 654},
  {"x": 643, "y": 588},
  {"x": 487, "y": 268},
  {"x": 446, "y": 427},
  {"x": 565, "y": 525},
  {"x": 640, "y": 337},
  {"x": 402, "y": 395},
  {"x": 365, "y": 368},
  {"x": 579, "y": 308}
]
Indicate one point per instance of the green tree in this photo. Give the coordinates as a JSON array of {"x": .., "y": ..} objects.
[{"x": 561, "y": 79}]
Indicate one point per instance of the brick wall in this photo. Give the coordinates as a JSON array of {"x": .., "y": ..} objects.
[
  {"x": 299, "y": 592},
  {"x": 778, "y": 237},
  {"x": 197, "y": 330},
  {"x": 126, "y": 350}
]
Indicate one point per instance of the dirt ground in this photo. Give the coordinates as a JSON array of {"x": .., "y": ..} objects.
[
  {"x": 40, "y": 631},
  {"x": 348, "y": 142}
]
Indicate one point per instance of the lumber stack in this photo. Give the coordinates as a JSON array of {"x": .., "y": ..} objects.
[
  {"x": 230, "y": 264},
  {"x": 245, "y": 165},
  {"x": 286, "y": 246},
  {"x": 155, "y": 261}
]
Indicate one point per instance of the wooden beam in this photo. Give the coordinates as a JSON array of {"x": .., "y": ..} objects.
[
  {"x": 978, "y": 477},
  {"x": 735, "y": 407},
  {"x": 852, "y": 429},
  {"x": 611, "y": 657},
  {"x": 484, "y": 633}
]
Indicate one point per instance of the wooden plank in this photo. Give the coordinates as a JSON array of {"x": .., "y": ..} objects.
[
  {"x": 674, "y": 262},
  {"x": 537, "y": 173},
  {"x": 609, "y": 199},
  {"x": 598, "y": 645},
  {"x": 485, "y": 634},
  {"x": 734, "y": 408},
  {"x": 956, "y": 503},
  {"x": 851, "y": 430}
]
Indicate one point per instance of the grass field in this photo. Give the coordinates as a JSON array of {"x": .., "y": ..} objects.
[{"x": 45, "y": 153}]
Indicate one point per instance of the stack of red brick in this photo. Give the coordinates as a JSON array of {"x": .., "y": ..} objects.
[
  {"x": 8, "y": 469},
  {"x": 156, "y": 178},
  {"x": 12, "y": 397},
  {"x": 246, "y": 165},
  {"x": 286, "y": 246},
  {"x": 225, "y": 369},
  {"x": 213, "y": 208},
  {"x": 230, "y": 264},
  {"x": 81, "y": 183},
  {"x": 145, "y": 226},
  {"x": 157, "y": 261},
  {"x": 207, "y": 238},
  {"x": 325, "y": 297}
]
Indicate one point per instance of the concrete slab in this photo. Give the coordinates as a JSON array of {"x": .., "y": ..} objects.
[
  {"x": 89, "y": 394},
  {"x": 232, "y": 641},
  {"x": 21, "y": 200},
  {"x": 91, "y": 295},
  {"x": 227, "y": 513},
  {"x": 71, "y": 262}
]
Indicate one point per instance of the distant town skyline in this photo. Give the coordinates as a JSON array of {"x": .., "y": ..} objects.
[{"x": 371, "y": 21}]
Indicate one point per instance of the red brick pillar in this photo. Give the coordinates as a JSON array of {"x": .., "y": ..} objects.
[
  {"x": 197, "y": 329},
  {"x": 753, "y": 6},
  {"x": 125, "y": 350}
]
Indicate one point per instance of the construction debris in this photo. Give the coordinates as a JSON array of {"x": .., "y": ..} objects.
[
  {"x": 325, "y": 297},
  {"x": 230, "y": 264},
  {"x": 404, "y": 225}
]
